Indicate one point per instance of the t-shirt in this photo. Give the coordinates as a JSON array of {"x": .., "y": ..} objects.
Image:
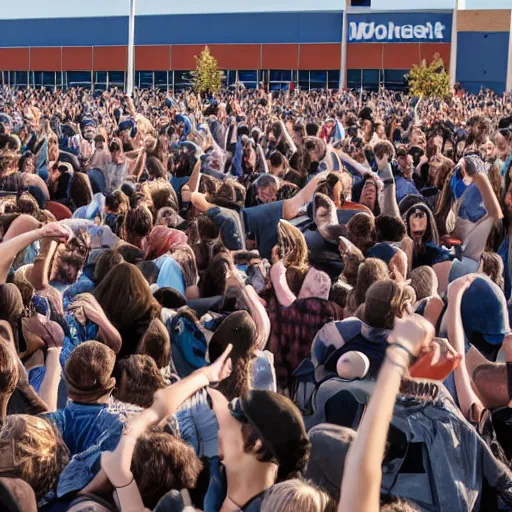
[
  {"x": 230, "y": 226},
  {"x": 431, "y": 254},
  {"x": 261, "y": 221}
]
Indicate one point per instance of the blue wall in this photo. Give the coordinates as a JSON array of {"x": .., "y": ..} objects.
[
  {"x": 319, "y": 27},
  {"x": 482, "y": 60}
]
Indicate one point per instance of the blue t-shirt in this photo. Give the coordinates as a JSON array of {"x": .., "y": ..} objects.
[
  {"x": 81, "y": 425},
  {"x": 472, "y": 205},
  {"x": 261, "y": 221}
]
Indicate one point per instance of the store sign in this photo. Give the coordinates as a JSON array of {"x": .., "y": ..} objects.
[
  {"x": 390, "y": 32},
  {"x": 400, "y": 29}
]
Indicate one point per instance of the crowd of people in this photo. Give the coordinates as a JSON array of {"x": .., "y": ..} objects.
[{"x": 285, "y": 301}]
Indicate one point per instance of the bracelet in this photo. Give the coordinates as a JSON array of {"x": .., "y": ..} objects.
[
  {"x": 412, "y": 357},
  {"x": 123, "y": 486},
  {"x": 509, "y": 382},
  {"x": 398, "y": 365}
]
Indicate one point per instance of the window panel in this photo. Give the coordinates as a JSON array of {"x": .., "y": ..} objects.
[
  {"x": 333, "y": 79},
  {"x": 48, "y": 78},
  {"x": 371, "y": 76},
  {"x": 101, "y": 77},
  {"x": 161, "y": 79},
  {"x": 20, "y": 78},
  {"x": 144, "y": 79},
  {"x": 116, "y": 77},
  {"x": 78, "y": 78},
  {"x": 280, "y": 75},
  {"x": 247, "y": 76},
  {"x": 354, "y": 78},
  {"x": 318, "y": 76}
]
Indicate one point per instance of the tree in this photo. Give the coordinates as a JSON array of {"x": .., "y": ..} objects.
[
  {"x": 429, "y": 80},
  {"x": 207, "y": 77}
]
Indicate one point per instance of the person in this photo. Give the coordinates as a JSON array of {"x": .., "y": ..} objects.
[{"x": 188, "y": 285}]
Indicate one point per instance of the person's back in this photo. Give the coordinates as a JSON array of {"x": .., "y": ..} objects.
[
  {"x": 82, "y": 424},
  {"x": 89, "y": 382}
]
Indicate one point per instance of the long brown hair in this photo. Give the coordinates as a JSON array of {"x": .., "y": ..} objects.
[
  {"x": 294, "y": 252},
  {"x": 80, "y": 190},
  {"x": 125, "y": 296}
]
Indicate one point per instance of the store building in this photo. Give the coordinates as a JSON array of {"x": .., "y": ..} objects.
[{"x": 272, "y": 47}]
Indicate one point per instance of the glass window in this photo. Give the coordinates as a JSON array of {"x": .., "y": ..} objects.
[
  {"x": 361, "y": 3},
  {"x": 371, "y": 79},
  {"x": 394, "y": 79},
  {"x": 101, "y": 77},
  {"x": 182, "y": 80},
  {"x": 19, "y": 78},
  {"x": 78, "y": 79},
  {"x": 333, "y": 79},
  {"x": 116, "y": 77},
  {"x": 354, "y": 78},
  {"x": 48, "y": 78},
  {"x": 144, "y": 79},
  {"x": 247, "y": 76},
  {"x": 318, "y": 79},
  {"x": 161, "y": 79},
  {"x": 280, "y": 75},
  {"x": 304, "y": 80}
]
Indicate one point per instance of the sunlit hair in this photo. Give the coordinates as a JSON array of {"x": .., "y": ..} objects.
[
  {"x": 125, "y": 296},
  {"x": 492, "y": 266},
  {"x": 36, "y": 451},
  {"x": 156, "y": 343},
  {"x": 185, "y": 257},
  {"x": 385, "y": 301},
  {"x": 80, "y": 190},
  {"x": 292, "y": 245},
  {"x": 138, "y": 223},
  {"x": 139, "y": 379},
  {"x": 369, "y": 272},
  {"x": 9, "y": 374},
  {"x": 8, "y": 162},
  {"x": 27, "y": 204},
  {"x": 106, "y": 262},
  {"x": 163, "y": 194},
  {"x": 361, "y": 231},
  {"x": 297, "y": 496},
  {"x": 237, "y": 329},
  {"x": 424, "y": 282},
  {"x": 161, "y": 463},
  {"x": 70, "y": 258}
]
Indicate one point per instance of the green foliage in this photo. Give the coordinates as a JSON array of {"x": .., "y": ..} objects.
[
  {"x": 207, "y": 77},
  {"x": 429, "y": 80}
]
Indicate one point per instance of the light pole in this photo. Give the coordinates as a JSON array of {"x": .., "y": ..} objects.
[
  {"x": 131, "y": 50},
  {"x": 453, "y": 46},
  {"x": 344, "y": 37}
]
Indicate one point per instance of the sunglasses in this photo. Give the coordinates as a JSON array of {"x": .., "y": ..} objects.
[{"x": 235, "y": 408}]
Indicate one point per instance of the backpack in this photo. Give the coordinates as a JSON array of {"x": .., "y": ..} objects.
[{"x": 188, "y": 344}]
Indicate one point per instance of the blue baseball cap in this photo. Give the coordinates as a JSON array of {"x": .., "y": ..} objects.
[{"x": 484, "y": 311}]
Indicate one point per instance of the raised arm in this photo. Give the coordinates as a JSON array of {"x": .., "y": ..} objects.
[
  {"x": 193, "y": 183},
  {"x": 387, "y": 196},
  {"x": 199, "y": 201},
  {"x": 469, "y": 403},
  {"x": 362, "y": 477},
  {"x": 116, "y": 465},
  {"x": 10, "y": 248},
  {"x": 292, "y": 206}
]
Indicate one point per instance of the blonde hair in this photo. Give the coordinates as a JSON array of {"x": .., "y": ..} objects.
[
  {"x": 293, "y": 245},
  {"x": 424, "y": 282},
  {"x": 296, "y": 495},
  {"x": 38, "y": 451}
]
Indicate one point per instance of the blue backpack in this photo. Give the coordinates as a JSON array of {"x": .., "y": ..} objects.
[{"x": 188, "y": 345}]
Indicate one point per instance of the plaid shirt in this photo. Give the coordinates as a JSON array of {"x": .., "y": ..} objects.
[{"x": 293, "y": 330}]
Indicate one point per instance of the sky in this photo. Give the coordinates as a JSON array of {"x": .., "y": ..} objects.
[{"x": 68, "y": 9}]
